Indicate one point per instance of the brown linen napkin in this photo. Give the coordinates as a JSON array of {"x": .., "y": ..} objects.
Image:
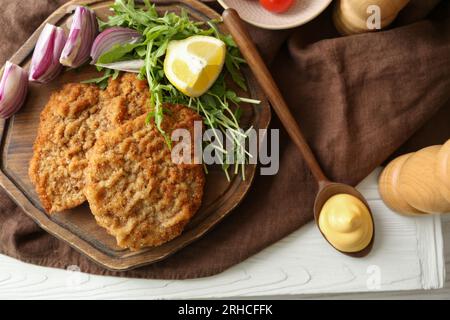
[{"x": 359, "y": 98}]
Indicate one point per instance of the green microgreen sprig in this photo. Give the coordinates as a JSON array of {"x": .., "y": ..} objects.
[{"x": 219, "y": 106}]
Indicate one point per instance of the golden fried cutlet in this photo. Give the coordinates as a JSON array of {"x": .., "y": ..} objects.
[
  {"x": 134, "y": 189},
  {"x": 69, "y": 126}
]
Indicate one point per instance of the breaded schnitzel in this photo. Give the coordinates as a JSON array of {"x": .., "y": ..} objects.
[
  {"x": 134, "y": 189},
  {"x": 70, "y": 124}
]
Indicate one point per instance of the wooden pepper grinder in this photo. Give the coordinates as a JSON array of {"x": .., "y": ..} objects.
[{"x": 358, "y": 16}]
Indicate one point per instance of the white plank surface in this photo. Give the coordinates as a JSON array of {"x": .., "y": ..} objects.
[{"x": 408, "y": 255}]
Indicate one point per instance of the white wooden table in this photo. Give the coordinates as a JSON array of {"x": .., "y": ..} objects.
[{"x": 293, "y": 268}]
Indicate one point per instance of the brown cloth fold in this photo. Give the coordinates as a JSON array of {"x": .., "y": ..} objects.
[{"x": 358, "y": 98}]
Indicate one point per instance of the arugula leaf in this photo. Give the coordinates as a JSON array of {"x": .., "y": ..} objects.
[
  {"x": 215, "y": 106},
  {"x": 117, "y": 53},
  {"x": 102, "y": 81},
  {"x": 236, "y": 75}
]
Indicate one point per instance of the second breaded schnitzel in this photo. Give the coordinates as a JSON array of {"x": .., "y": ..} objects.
[
  {"x": 70, "y": 124},
  {"x": 135, "y": 190}
]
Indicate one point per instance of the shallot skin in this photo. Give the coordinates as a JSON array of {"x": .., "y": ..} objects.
[
  {"x": 45, "y": 65},
  {"x": 112, "y": 37},
  {"x": 13, "y": 89},
  {"x": 83, "y": 31}
]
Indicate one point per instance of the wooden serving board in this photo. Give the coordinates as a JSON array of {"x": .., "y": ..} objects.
[{"x": 77, "y": 226}]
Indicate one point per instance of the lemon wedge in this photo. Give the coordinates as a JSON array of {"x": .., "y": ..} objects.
[{"x": 192, "y": 65}]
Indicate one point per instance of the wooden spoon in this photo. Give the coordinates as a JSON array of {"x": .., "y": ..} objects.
[{"x": 327, "y": 188}]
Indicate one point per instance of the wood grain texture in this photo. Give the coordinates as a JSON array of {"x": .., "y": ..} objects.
[
  {"x": 77, "y": 226},
  {"x": 419, "y": 185},
  {"x": 388, "y": 187},
  {"x": 350, "y": 16},
  {"x": 443, "y": 164},
  {"x": 408, "y": 256}
]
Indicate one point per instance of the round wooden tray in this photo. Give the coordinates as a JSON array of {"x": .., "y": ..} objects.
[{"x": 77, "y": 226}]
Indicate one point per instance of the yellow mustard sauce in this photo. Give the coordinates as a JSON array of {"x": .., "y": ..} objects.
[{"x": 346, "y": 223}]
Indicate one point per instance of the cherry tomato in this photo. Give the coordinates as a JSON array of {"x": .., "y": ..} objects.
[{"x": 277, "y": 6}]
